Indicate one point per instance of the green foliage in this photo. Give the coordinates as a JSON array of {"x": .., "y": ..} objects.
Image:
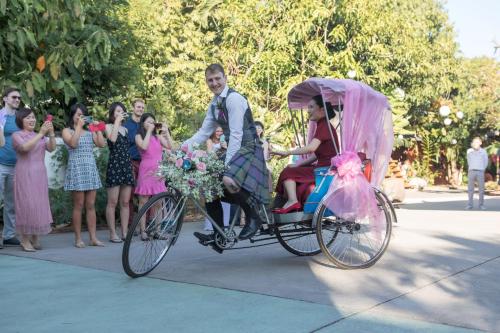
[
  {"x": 61, "y": 51},
  {"x": 268, "y": 46}
]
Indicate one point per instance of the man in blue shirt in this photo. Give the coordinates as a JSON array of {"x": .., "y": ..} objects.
[
  {"x": 11, "y": 100},
  {"x": 132, "y": 125}
]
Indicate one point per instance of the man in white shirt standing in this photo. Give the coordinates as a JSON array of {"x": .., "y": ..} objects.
[{"x": 477, "y": 159}]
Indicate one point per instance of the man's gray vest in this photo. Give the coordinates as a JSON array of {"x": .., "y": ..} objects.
[{"x": 249, "y": 132}]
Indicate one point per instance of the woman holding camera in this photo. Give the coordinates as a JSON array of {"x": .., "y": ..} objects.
[
  {"x": 82, "y": 176},
  {"x": 119, "y": 174},
  {"x": 33, "y": 216},
  {"x": 150, "y": 147}
]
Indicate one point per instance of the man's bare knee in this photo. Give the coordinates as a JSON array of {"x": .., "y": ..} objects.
[{"x": 230, "y": 184}]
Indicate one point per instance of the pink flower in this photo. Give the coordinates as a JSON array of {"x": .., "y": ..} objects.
[
  {"x": 185, "y": 148},
  {"x": 190, "y": 155},
  {"x": 178, "y": 163},
  {"x": 191, "y": 182},
  {"x": 348, "y": 164},
  {"x": 201, "y": 166},
  {"x": 200, "y": 153}
]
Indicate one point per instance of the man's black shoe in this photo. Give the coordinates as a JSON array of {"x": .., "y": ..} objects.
[
  {"x": 204, "y": 239},
  {"x": 217, "y": 249},
  {"x": 250, "y": 229},
  {"x": 11, "y": 241}
]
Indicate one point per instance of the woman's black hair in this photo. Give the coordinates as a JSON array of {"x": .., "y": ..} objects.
[
  {"x": 72, "y": 110},
  {"x": 258, "y": 123},
  {"x": 318, "y": 99},
  {"x": 112, "y": 108},
  {"x": 21, "y": 114},
  {"x": 141, "y": 131}
]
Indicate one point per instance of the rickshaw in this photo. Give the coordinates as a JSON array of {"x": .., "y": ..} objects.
[{"x": 333, "y": 221}]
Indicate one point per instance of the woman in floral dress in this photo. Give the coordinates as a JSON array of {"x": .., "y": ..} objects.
[{"x": 119, "y": 174}]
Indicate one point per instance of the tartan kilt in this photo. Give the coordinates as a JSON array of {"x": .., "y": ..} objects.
[{"x": 248, "y": 169}]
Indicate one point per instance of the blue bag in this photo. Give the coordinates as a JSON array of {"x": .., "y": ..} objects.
[{"x": 322, "y": 183}]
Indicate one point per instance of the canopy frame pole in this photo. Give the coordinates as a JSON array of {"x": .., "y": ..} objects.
[
  {"x": 303, "y": 127},
  {"x": 329, "y": 125},
  {"x": 294, "y": 128}
]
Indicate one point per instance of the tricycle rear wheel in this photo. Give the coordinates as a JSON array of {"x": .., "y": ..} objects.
[{"x": 357, "y": 244}]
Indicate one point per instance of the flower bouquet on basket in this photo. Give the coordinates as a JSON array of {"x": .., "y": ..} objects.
[{"x": 194, "y": 173}]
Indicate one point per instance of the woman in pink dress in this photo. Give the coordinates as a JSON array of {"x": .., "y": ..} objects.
[
  {"x": 150, "y": 146},
  {"x": 31, "y": 189}
]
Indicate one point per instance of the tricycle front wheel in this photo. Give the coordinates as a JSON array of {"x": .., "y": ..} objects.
[{"x": 153, "y": 232}]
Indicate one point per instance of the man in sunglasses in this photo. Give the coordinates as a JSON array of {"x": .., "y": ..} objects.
[{"x": 11, "y": 102}]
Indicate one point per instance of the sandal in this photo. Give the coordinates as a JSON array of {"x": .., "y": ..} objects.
[
  {"x": 116, "y": 240},
  {"x": 80, "y": 244},
  {"x": 27, "y": 248},
  {"x": 144, "y": 236},
  {"x": 96, "y": 243}
]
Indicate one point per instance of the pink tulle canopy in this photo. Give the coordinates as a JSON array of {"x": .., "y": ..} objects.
[
  {"x": 366, "y": 123},
  {"x": 366, "y": 117}
]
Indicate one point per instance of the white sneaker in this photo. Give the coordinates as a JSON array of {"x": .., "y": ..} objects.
[
  {"x": 482, "y": 207},
  {"x": 468, "y": 207}
]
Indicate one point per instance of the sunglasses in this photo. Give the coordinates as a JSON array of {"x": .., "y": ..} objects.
[{"x": 16, "y": 97}]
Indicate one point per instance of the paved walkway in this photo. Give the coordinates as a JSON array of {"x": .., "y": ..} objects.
[{"x": 438, "y": 275}]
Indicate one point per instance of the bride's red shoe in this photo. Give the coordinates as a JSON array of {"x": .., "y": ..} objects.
[{"x": 293, "y": 208}]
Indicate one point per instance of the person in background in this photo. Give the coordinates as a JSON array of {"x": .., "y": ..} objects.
[
  {"x": 217, "y": 143},
  {"x": 477, "y": 160},
  {"x": 259, "y": 127},
  {"x": 12, "y": 100},
  {"x": 31, "y": 188},
  {"x": 150, "y": 146},
  {"x": 82, "y": 177},
  {"x": 119, "y": 173},
  {"x": 132, "y": 126}
]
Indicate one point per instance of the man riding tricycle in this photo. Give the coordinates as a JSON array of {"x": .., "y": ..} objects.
[{"x": 327, "y": 202}]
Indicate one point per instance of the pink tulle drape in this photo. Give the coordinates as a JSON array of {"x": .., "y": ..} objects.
[{"x": 366, "y": 127}]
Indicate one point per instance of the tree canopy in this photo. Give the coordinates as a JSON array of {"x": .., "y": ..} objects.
[{"x": 94, "y": 51}]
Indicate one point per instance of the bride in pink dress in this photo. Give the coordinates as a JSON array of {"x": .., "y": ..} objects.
[{"x": 150, "y": 147}]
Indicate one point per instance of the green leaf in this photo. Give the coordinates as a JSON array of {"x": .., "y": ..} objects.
[
  {"x": 29, "y": 89},
  {"x": 21, "y": 39},
  {"x": 55, "y": 70},
  {"x": 31, "y": 37}
]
